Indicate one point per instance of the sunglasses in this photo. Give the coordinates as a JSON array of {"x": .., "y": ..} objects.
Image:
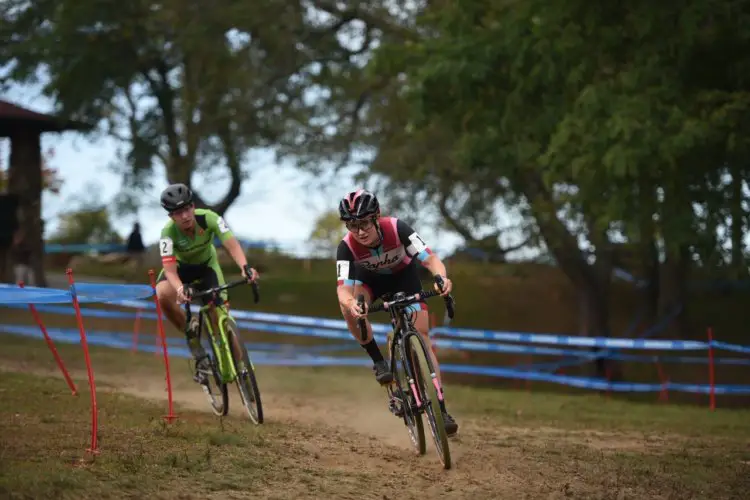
[{"x": 356, "y": 225}]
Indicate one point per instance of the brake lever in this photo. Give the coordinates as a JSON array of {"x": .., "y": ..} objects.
[
  {"x": 361, "y": 321},
  {"x": 449, "y": 300}
]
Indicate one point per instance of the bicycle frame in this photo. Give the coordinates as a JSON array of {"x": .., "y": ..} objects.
[
  {"x": 219, "y": 341},
  {"x": 224, "y": 361},
  {"x": 403, "y": 328}
]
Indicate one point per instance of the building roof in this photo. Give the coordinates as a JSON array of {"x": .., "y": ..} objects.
[{"x": 13, "y": 117}]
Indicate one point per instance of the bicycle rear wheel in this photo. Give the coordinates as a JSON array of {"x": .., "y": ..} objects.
[
  {"x": 423, "y": 374},
  {"x": 247, "y": 383},
  {"x": 216, "y": 390},
  {"x": 412, "y": 418}
]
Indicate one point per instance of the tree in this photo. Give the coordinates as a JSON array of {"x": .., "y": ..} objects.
[
  {"x": 184, "y": 87},
  {"x": 88, "y": 222},
  {"x": 326, "y": 234},
  {"x": 602, "y": 124},
  {"x": 599, "y": 118},
  {"x": 86, "y": 226}
]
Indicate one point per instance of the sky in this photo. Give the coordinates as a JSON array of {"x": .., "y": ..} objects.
[{"x": 269, "y": 207}]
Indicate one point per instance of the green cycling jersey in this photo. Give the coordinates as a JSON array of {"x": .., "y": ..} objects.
[{"x": 176, "y": 246}]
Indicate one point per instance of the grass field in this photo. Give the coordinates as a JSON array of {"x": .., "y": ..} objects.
[{"x": 329, "y": 435}]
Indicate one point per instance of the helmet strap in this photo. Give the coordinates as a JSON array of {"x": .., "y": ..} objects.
[{"x": 377, "y": 226}]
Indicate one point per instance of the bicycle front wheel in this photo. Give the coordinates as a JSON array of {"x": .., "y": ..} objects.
[
  {"x": 412, "y": 417},
  {"x": 215, "y": 388},
  {"x": 247, "y": 383},
  {"x": 423, "y": 374}
]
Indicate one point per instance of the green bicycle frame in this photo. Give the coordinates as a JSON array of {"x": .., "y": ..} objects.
[{"x": 225, "y": 362}]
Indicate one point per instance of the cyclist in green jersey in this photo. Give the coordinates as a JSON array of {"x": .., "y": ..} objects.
[{"x": 189, "y": 257}]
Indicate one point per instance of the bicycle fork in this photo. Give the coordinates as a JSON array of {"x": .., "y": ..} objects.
[{"x": 435, "y": 382}]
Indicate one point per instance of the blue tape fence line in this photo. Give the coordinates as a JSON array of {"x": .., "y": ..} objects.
[
  {"x": 440, "y": 343},
  {"x": 122, "y": 248},
  {"x": 118, "y": 340},
  {"x": 84, "y": 292},
  {"x": 133, "y": 296},
  {"x": 285, "y": 324}
]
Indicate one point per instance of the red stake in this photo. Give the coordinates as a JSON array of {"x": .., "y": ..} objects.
[
  {"x": 171, "y": 416},
  {"x": 90, "y": 371}
]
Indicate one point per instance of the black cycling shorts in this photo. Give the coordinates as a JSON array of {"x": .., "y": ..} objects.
[
  {"x": 379, "y": 285},
  {"x": 200, "y": 277}
]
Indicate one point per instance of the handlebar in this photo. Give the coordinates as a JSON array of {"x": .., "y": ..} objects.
[
  {"x": 218, "y": 289},
  {"x": 405, "y": 302}
]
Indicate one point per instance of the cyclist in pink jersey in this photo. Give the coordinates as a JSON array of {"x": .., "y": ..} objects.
[{"x": 378, "y": 256}]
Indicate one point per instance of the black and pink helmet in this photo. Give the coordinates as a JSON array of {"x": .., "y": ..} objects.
[{"x": 359, "y": 204}]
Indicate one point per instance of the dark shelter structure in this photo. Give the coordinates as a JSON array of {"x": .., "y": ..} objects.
[{"x": 21, "y": 198}]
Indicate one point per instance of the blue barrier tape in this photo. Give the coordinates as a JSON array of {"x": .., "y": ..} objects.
[
  {"x": 613, "y": 354},
  {"x": 261, "y": 358},
  {"x": 533, "y": 338},
  {"x": 46, "y": 297},
  {"x": 85, "y": 293},
  {"x": 114, "y": 293},
  {"x": 592, "y": 383},
  {"x": 107, "y": 339},
  {"x": 730, "y": 347},
  {"x": 272, "y": 317},
  {"x": 601, "y": 342},
  {"x": 639, "y": 358},
  {"x": 580, "y": 356},
  {"x": 122, "y": 248},
  {"x": 300, "y": 330},
  {"x": 126, "y": 339}
]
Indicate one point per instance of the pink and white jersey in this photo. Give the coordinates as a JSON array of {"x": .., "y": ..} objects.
[{"x": 397, "y": 251}]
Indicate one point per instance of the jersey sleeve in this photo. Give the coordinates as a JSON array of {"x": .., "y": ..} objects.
[
  {"x": 344, "y": 265},
  {"x": 218, "y": 225},
  {"x": 414, "y": 244},
  {"x": 166, "y": 247}
]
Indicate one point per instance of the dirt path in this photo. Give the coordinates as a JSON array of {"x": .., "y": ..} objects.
[{"x": 356, "y": 436}]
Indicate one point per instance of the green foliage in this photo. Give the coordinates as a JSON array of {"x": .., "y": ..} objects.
[
  {"x": 604, "y": 114},
  {"x": 88, "y": 223},
  {"x": 327, "y": 234},
  {"x": 184, "y": 87}
]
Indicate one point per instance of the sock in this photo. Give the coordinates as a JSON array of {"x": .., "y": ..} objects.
[
  {"x": 372, "y": 349},
  {"x": 442, "y": 407}
]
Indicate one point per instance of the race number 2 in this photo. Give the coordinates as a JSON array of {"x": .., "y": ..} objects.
[{"x": 166, "y": 247}]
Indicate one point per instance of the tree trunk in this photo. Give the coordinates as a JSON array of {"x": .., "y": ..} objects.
[
  {"x": 648, "y": 251},
  {"x": 8, "y": 226},
  {"x": 591, "y": 281},
  {"x": 650, "y": 258},
  {"x": 5, "y": 267},
  {"x": 25, "y": 181},
  {"x": 673, "y": 287}
]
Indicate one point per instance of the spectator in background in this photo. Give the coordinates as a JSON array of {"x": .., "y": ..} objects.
[
  {"x": 135, "y": 247},
  {"x": 21, "y": 256}
]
